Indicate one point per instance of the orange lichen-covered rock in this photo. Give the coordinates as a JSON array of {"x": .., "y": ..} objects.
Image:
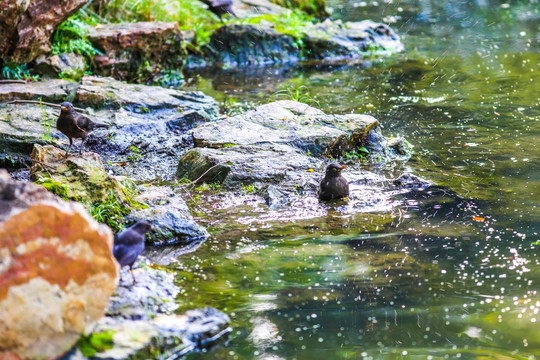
[{"x": 56, "y": 271}]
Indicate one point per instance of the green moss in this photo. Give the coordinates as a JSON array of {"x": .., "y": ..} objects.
[
  {"x": 110, "y": 212},
  {"x": 91, "y": 344},
  {"x": 316, "y": 8},
  {"x": 55, "y": 187}
]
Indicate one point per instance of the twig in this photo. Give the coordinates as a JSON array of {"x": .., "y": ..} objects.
[
  {"x": 203, "y": 174},
  {"x": 35, "y": 102},
  {"x": 12, "y": 82}
]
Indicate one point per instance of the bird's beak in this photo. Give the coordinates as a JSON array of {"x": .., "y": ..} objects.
[
  {"x": 343, "y": 167},
  {"x": 63, "y": 108}
]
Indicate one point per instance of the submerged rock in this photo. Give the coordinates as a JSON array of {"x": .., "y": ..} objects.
[
  {"x": 56, "y": 271},
  {"x": 127, "y": 46}
]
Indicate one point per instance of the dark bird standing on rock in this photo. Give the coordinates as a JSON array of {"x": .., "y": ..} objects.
[
  {"x": 333, "y": 185},
  {"x": 220, "y": 7},
  {"x": 130, "y": 243},
  {"x": 75, "y": 125}
]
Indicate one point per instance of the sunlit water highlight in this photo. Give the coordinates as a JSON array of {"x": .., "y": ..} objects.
[{"x": 450, "y": 272}]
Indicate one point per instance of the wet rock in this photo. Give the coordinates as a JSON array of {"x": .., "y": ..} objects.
[
  {"x": 43, "y": 307},
  {"x": 127, "y": 47},
  {"x": 232, "y": 45},
  {"x": 79, "y": 178},
  {"x": 27, "y": 26},
  {"x": 235, "y": 45},
  {"x": 171, "y": 335},
  {"x": 334, "y": 40},
  {"x": 99, "y": 92},
  {"x": 153, "y": 293},
  {"x": 70, "y": 66},
  {"x": 170, "y": 216},
  {"x": 252, "y": 8},
  {"x": 277, "y": 143},
  {"x": 411, "y": 181},
  {"x": 50, "y": 91}
]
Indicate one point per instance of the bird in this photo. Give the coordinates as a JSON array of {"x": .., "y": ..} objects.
[
  {"x": 75, "y": 125},
  {"x": 220, "y": 7},
  {"x": 129, "y": 243},
  {"x": 333, "y": 185}
]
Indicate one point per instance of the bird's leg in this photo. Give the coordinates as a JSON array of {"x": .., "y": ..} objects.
[
  {"x": 69, "y": 148},
  {"x": 131, "y": 270},
  {"x": 82, "y": 145}
]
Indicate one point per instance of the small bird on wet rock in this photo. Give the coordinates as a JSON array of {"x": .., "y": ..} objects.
[
  {"x": 129, "y": 244},
  {"x": 220, "y": 7},
  {"x": 75, "y": 125},
  {"x": 333, "y": 185}
]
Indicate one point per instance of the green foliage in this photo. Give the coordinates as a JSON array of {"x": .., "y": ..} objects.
[
  {"x": 91, "y": 344},
  {"x": 46, "y": 125},
  {"x": 70, "y": 37},
  {"x": 135, "y": 153},
  {"x": 55, "y": 187},
  {"x": 110, "y": 212},
  {"x": 297, "y": 93},
  {"x": 249, "y": 189},
  {"x": 12, "y": 71},
  {"x": 293, "y": 22},
  {"x": 316, "y": 8},
  {"x": 358, "y": 154}
]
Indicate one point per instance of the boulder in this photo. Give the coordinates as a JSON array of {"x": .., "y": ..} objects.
[
  {"x": 170, "y": 216},
  {"x": 71, "y": 66},
  {"x": 255, "y": 45},
  {"x": 56, "y": 271},
  {"x": 128, "y": 46},
  {"x": 80, "y": 178},
  {"x": 51, "y": 91},
  {"x": 277, "y": 143},
  {"x": 26, "y": 26}
]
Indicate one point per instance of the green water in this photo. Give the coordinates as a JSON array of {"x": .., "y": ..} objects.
[{"x": 450, "y": 272}]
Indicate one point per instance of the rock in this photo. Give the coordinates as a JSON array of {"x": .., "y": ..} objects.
[
  {"x": 276, "y": 143},
  {"x": 98, "y": 92},
  {"x": 71, "y": 66},
  {"x": 128, "y": 46},
  {"x": 333, "y": 40},
  {"x": 328, "y": 42},
  {"x": 252, "y": 8},
  {"x": 51, "y": 91},
  {"x": 27, "y": 26},
  {"x": 170, "y": 216},
  {"x": 234, "y": 45},
  {"x": 411, "y": 181},
  {"x": 168, "y": 335},
  {"x": 153, "y": 293},
  {"x": 56, "y": 271},
  {"x": 79, "y": 178}
]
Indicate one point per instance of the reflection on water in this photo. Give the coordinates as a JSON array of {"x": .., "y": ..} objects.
[{"x": 451, "y": 272}]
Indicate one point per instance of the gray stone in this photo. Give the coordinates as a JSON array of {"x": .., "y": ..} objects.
[
  {"x": 70, "y": 66},
  {"x": 51, "y": 91}
]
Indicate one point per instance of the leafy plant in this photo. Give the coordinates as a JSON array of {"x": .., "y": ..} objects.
[
  {"x": 91, "y": 344},
  {"x": 249, "y": 189},
  {"x": 70, "y": 37},
  {"x": 12, "y": 71},
  {"x": 110, "y": 212},
  {"x": 46, "y": 125},
  {"x": 360, "y": 154},
  {"x": 135, "y": 153},
  {"x": 297, "y": 93}
]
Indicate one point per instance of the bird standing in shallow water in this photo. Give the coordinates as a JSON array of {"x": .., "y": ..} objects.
[
  {"x": 333, "y": 185},
  {"x": 75, "y": 125},
  {"x": 220, "y": 7},
  {"x": 129, "y": 244}
]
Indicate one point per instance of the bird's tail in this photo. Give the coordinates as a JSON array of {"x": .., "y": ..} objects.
[{"x": 101, "y": 125}]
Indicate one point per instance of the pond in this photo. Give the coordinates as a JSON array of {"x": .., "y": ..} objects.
[{"x": 452, "y": 272}]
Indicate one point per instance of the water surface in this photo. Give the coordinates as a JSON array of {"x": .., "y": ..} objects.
[{"x": 452, "y": 273}]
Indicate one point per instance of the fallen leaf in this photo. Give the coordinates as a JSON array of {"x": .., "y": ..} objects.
[
  {"x": 310, "y": 170},
  {"x": 478, "y": 218}
]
